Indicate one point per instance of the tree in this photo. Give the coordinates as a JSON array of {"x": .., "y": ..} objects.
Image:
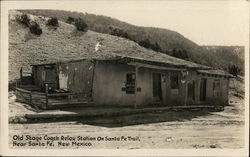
[
  {"x": 53, "y": 22},
  {"x": 81, "y": 25},
  {"x": 145, "y": 43},
  {"x": 35, "y": 29},
  {"x": 156, "y": 47},
  {"x": 234, "y": 70},
  {"x": 179, "y": 53},
  {"x": 23, "y": 19},
  {"x": 70, "y": 20}
]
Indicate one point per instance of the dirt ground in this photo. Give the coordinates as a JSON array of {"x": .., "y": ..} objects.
[{"x": 168, "y": 129}]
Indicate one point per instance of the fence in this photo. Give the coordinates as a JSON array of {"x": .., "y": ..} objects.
[{"x": 48, "y": 100}]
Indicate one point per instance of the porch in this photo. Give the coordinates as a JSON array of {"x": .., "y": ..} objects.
[
  {"x": 33, "y": 96},
  {"x": 45, "y": 96}
]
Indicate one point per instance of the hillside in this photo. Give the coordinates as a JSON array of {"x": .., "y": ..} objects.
[
  {"x": 233, "y": 55},
  {"x": 66, "y": 43},
  {"x": 163, "y": 40},
  {"x": 22, "y": 41}
]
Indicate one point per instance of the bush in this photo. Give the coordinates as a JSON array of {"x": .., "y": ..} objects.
[
  {"x": 125, "y": 35},
  {"x": 70, "y": 20},
  {"x": 81, "y": 25},
  {"x": 35, "y": 29},
  {"x": 234, "y": 70},
  {"x": 53, "y": 22},
  {"x": 119, "y": 32},
  {"x": 156, "y": 47},
  {"x": 145, "y": 43},
  {"x": 179, "y": 53},
  {"x": 23, "y": 19}
]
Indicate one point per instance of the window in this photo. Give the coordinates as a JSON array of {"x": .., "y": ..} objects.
[
  {"x": 174, "y": 82},
  {"x": 130, "y": 83}
]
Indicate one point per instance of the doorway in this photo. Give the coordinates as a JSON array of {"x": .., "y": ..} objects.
[
  {"x": 203, "y": 89},
  {"x": 157, "y": 91},
  {"x": 191, "y": 90}
]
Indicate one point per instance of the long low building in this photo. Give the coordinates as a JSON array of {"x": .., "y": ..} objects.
[
  {"x": 123, "y": 80},
  {"x": 90, "y": 68}
]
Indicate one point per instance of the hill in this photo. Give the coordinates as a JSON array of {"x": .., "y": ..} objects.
[
  {"x": 66, "y": 43},
  {"x": 230, "y": 55},
  {"x": 158, "y": 39},
  {"x": 167, "y": 40}
]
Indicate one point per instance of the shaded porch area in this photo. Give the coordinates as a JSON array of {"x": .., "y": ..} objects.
[{"x": 35, "y": 97}]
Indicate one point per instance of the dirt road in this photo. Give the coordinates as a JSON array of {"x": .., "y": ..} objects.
[
  {"x": 168, "y": 129},
  {"x": 183, "y": 129}
]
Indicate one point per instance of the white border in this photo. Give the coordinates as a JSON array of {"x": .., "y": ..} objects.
[{"x": 5, "y": 6}]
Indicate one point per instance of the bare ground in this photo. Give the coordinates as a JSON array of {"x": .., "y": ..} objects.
[{"x": 168, "y": 129}]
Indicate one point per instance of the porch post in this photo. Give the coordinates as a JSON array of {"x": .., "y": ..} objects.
[
  {"x": 21, "y": 75},
  {"x": 186, "y": 93},
  {"x": 46, "y": 94},
  {"x": 16, "y": 84},
  {"x": 136, "y": 83}
]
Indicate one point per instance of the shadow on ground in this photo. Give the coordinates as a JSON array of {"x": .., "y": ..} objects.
[{"x": 143, "y": 118}]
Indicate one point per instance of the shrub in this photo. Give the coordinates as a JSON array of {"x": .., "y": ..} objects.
[
  {"x": 53, "y": 22},
  {"x": 179, "y": 53},
  {"x": 81, "y": 25},
  {"x": 145, "y": 43},
  {"x": 23, "y": 19},
  {"x": 118, "y": 32},
  {"x": 156, "y": 47},
  {"x": 234, "y": 70},
  {"x": 125, "y": 35},
  {"x": 35, "y": 29},
  {"x": 70, "y": 20}
]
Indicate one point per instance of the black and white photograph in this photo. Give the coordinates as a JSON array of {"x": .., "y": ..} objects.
[{"x": 125, "y": 76}]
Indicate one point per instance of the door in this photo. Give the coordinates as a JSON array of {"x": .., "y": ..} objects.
[
  {"x": 63, "y": 81},
  {"x": 191, "y": 87},
  {"x": 203, "y": 89},
  {"x": 157, "y": 91},
  {"x": 191, "y": 91}
]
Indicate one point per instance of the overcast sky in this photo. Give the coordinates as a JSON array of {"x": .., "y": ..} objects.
[{"x": 205, "y": 22}]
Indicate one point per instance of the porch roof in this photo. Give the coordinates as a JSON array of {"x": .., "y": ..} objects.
[{"x": 215, "y": 72}]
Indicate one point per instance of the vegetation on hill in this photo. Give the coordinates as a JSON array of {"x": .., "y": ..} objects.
[
  {"x": 25, "y": 20},
  {"x": 157, "y": 39},
  {"x": 53, "y": 22},
  {"x": 80, "y": 25},
  {"x": 66, "y": 43},
  {"x": 231, "y": 56}
]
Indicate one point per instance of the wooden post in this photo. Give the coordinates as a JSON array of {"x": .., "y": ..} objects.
[
  {"x": 30, "y": 98},
  {"x": 186, "y": 93},
  {"x": 136, "y": 83},
  {"x": 69, "y": 97},
  {"x": 46, "y": 93},
  {"x": 21, "y": 74},
  {"x": 16, "y": 84}
]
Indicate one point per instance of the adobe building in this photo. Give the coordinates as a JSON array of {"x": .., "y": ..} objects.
[{"x": 124, "y": 80}]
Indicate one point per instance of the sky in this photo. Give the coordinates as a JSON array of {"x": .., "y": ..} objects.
[{"x": 214, "y": 22}]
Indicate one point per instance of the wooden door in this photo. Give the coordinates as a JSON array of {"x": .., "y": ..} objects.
[
  {"x": 157, "y": 91},
  {"x": 191, "y": 90},
  {"x": 63, "y": 81},
  {"x": 203, "y": 89}
]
